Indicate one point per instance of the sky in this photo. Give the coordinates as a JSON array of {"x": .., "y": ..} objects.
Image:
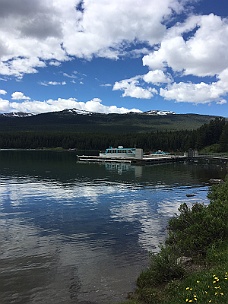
[{"x": 114, "y": 56}]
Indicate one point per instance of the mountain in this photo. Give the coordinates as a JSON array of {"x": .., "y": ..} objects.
[
  {"x": 74, "y": 120},
  {"x": 17, "y": 114},
  {"x": 158, "y": 112}
]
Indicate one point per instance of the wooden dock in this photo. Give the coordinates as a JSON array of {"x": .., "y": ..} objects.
[
  {"x": 136, "y": 161},
  {"x": 153, "y": 159}
]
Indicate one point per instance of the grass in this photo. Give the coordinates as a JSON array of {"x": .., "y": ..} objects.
[
  {"x": 209, "y": 285},
  {"x": 204, "y": 278},
  {"x": 203, "y": 287}
]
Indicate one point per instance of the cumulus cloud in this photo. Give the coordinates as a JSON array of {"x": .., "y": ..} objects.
[
  {"x": 196, "y": 47},
  {"x": 130, "y": 87},
  {"x": 51, "y": 105},
  {"x": 19, "y": 96},
  {"x": 4, "y": 105},
  {"x": 36, "y": 34},
  {"x": 50, "y": 32},
  {"x": 20, "y": 66},
  {"x": 157, "y": 77},
  {"x": 3, "y": 92},
  {"x": 198, "y": 92}
]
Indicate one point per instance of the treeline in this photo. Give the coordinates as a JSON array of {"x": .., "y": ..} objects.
[{"x": 213, "y": 133}]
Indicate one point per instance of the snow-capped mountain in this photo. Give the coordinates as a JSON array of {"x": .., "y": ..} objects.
[
  {"x": 75, "y": 111},
  {"x": 17, "y": 114},
  {"x": 159, "y": 112}
]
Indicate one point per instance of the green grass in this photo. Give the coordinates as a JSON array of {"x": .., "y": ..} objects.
[{"x": 207, "y": 285}]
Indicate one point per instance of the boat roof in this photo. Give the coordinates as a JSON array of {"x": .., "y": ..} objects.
[{"x": 120, "y": 148}]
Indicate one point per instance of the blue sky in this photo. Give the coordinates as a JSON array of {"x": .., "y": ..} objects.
[{"x": 114, "y": 56}]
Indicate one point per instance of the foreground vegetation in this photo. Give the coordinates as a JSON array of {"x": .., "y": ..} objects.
[{"x": 192, "y": 266}]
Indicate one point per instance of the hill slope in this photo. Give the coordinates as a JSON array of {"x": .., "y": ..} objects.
[{"x": 72, "y": 121}]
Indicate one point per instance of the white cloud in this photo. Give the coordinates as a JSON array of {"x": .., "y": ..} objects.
[
  {"x": 196, "y": 47},
  {"x": 4, "y": 105},
  {"x": 35, "y": 34},
  {"x": 20, "y": 66},
  {"x": 131, "y": 88},
  {"x": 54, "y": 63},
  {"x": 157, "y": 77},
  {"x": 221, "y": 102},
  {"x": 19, "y": 96},
  {"x": 54, "y": 83},
  {"x": 73, "y": 75},
  {"x": 3, "y": 92},
  {"x": 106, "y": 85},
  {"x": 51, "y": 105},
  {"x": 203, "y": 53},
  {"x": 106, "y": 24},
  {"x": 199, "y": 92}
]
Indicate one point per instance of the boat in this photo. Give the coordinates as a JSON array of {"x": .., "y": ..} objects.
[
  {"x": 216, "y": 181},
  {"x": 130, "y": 155},
  {"x": 121, "y": 152}
]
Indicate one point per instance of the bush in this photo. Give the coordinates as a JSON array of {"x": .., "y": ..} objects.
[
  {"x": 200, "y": 231},
  {"x": 162, "y": 269},
  {"x": 195, "y": 229}
]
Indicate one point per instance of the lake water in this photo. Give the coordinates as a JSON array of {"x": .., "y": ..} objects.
[{"x": 81, "y": 233}]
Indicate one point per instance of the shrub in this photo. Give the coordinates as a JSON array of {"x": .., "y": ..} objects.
[
  {"x": 162, "y": 269},
  {"x": 195, "y": 229}
]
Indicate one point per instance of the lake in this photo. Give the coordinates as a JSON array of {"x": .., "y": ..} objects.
[{"x": 81, "y": 233}]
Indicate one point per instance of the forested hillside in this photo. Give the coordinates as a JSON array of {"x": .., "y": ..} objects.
[
  {"x": 213, "y": 134},
  {"x": 69, "y": 121}
]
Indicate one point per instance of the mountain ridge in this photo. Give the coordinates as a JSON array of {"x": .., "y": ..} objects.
[
  {"x": 74, "y": 120},
  {"x": 85, "y": 112}
]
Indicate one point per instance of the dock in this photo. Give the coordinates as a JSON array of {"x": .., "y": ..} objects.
[
  {"x": 137, "y": 157},
  {"x": 94, "y": 159},
  {"x": 137, "y": 161}
]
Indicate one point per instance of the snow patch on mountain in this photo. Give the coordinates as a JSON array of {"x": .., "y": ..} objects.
[
  {"x": 17, "y": 114},
  {"x": 158, "y": 112}
]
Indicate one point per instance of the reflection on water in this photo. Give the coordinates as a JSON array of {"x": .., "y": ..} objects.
[{"x": 80, "y": 233}]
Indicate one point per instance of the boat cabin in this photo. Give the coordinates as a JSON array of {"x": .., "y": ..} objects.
[{"x": 122, "y": 152}]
